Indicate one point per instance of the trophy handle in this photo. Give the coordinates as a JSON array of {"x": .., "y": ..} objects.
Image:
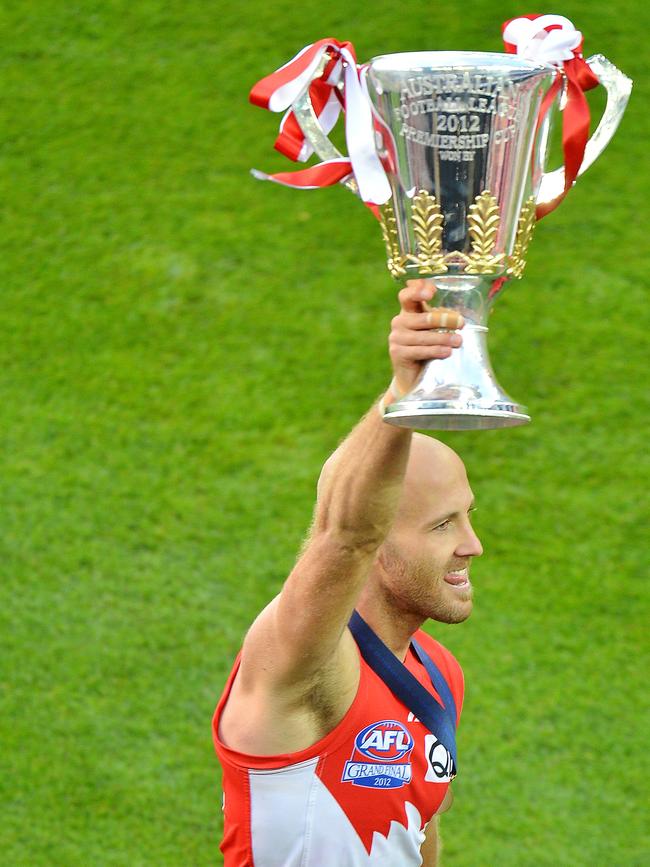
[
  {"x": 618, "y": 87},
  {"x": 312, "y": 130}
]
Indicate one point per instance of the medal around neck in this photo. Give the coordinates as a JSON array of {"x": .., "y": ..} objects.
[{"x": 449, "y": 151}]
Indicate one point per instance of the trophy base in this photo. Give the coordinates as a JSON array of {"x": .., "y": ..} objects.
[
  {"x": 445, "y": 415},
  {"x": 459, "y": 392}
]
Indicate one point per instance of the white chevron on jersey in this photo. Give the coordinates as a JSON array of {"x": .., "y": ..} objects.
[{"x": 307, "y": 825}]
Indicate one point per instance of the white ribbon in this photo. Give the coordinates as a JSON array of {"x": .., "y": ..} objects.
[
  {"x": 360, "y": 138},
  {"x": 330, "y": 112},
  {"x": 534, "y": 42},
  {"x": 359, "y": 131},
  {"x": 287, "y": 93}
]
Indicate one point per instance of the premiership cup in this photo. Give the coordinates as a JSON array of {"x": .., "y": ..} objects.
[{"x": 463, "y": 139}]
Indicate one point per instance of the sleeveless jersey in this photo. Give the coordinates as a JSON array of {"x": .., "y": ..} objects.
[{"x": 359, "y": 797}]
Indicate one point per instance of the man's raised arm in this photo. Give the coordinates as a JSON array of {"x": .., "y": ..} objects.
[{"x": 358, "y": 496}]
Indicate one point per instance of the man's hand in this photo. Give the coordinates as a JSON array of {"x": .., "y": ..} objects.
[{"x": 419, "y": 333}]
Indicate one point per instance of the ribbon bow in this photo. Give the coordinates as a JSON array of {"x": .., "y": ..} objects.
[
  {"x": 279, "y": 90},
  {"x": 553, "y": 39}
]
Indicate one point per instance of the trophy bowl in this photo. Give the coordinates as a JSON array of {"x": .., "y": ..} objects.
[
  {"x": 461, "y": 139},
  {"x": 458, "y": 134}
]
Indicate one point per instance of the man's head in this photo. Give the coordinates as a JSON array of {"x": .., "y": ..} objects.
[{"x": 423, "y": 566}]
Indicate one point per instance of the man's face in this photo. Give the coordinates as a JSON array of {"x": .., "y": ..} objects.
[{"x": 425, "y": 561}]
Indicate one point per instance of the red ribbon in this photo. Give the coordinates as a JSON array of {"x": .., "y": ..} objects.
[
  {"x": 325, "y": 174},
  {"x": 279, "y": 91},
  {"x": 291, "y": 140},
  {"x": 322, "y": 90},
  {"x": 576, "y": 115}
]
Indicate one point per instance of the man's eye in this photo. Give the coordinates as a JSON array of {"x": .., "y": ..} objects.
[{"x": 442, "y": 526}]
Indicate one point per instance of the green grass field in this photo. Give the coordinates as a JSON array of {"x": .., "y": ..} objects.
[{"x": 182, "y": 346}]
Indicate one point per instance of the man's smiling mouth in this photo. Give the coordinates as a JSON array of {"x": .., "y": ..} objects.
[{"x": 458, "y": 578}]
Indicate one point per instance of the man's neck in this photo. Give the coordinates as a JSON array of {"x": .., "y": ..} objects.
[{"x": 395, "y": 628}]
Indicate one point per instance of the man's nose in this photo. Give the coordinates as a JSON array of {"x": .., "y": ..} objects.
[{"x": 470, "y": 545}]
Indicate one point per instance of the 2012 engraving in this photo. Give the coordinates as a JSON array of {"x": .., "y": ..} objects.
[{"x": 458, "y": 101}]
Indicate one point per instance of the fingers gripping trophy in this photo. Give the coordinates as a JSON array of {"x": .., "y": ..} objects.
[{"x": 448, "y": 150}]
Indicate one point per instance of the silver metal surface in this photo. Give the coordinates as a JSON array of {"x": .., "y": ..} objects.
[
  {"x": 308, "y": 122},
  {"x": 459, "y": 123},
  {"x": 464, "y": 149},
  {"x": 619, "y": 88},
  {"x": 460, "y": 392}
]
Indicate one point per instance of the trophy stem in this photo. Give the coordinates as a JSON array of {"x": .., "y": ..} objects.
[{"x": 460, "y": 392}]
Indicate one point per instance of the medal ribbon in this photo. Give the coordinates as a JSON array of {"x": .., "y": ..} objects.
[
  {"x": 439, "y": 717},
  {"x": 279, "y": 90},
  {"x": 553, "y": 39}
]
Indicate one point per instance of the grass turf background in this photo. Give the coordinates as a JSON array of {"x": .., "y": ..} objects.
[{"x": 181, "y": 348}]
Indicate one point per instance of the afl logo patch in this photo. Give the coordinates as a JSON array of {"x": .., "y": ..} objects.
[{"x": 380, "y": 756}]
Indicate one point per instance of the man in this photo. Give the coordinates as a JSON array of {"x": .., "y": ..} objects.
[{"x": 324, "y": 766}]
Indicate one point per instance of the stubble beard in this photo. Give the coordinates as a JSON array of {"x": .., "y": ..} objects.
[{"x": 416, "y": 590}]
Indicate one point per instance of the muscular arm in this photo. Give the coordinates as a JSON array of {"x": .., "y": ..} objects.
[
  {"x": 432, "y": 846},
  {"x": 301, "y": 629},
  {"x": 355, "y": 510},
  {"x": 430, "y": 849}
]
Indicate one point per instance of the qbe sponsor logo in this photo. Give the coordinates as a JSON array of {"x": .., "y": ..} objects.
[
  {"x": 380, "y": 756},
  {"x": 440, "y": 764}
]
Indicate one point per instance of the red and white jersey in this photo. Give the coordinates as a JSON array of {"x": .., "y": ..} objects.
[{"x": 359, "y": 797}]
